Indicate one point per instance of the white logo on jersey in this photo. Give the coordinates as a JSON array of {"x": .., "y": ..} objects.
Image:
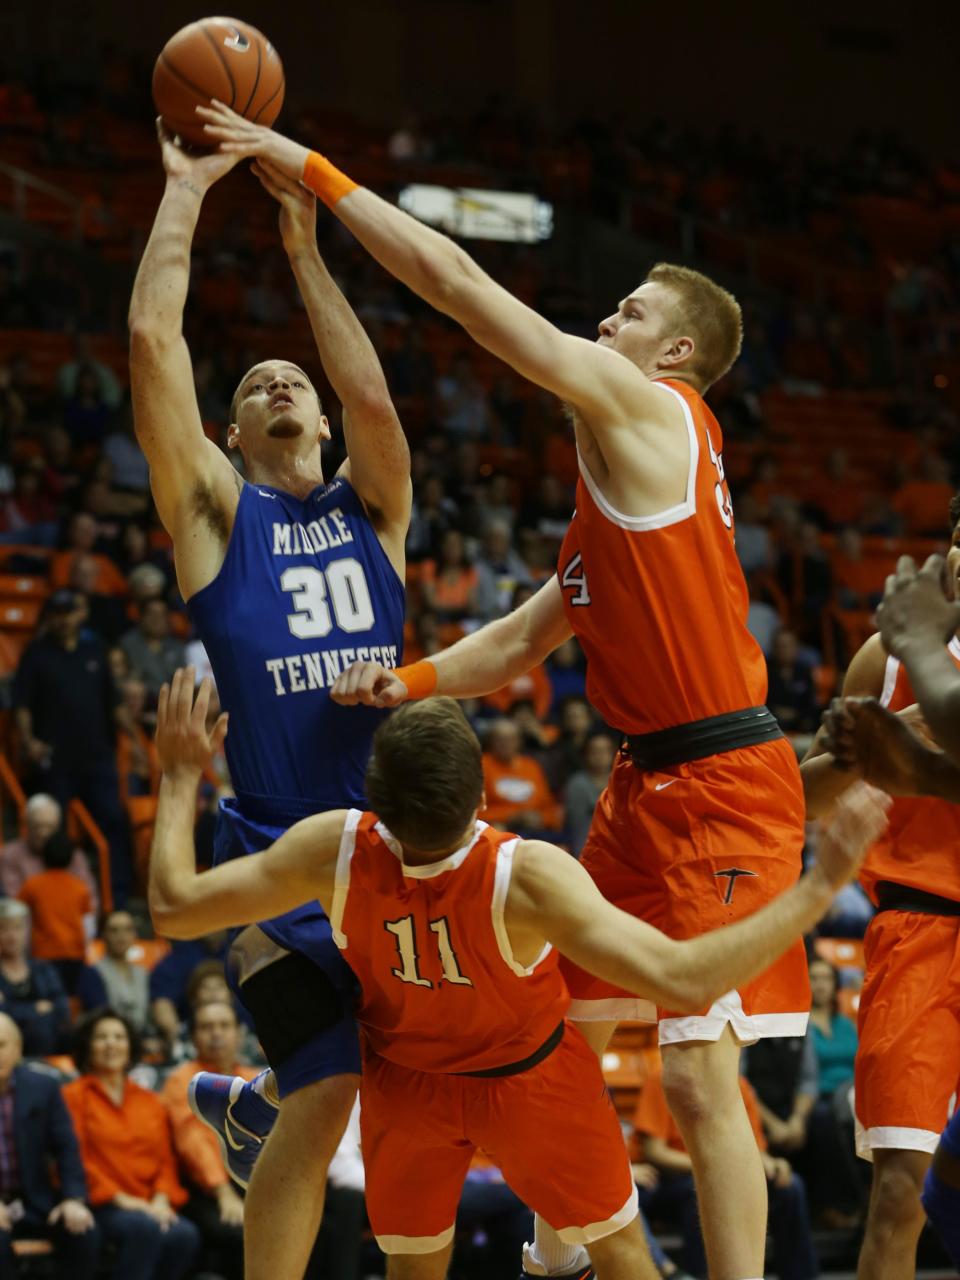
[
  {"x": 263, "y": 494},
  {"x": 662, "y": 786}
]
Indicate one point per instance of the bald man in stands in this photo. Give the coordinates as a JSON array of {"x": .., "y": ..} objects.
[{"x": 37, "y": 1135}]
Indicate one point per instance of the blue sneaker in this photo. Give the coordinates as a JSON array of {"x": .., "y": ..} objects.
[{"x": 211, "y": 1099}]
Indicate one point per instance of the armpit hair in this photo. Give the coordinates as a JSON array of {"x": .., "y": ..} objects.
[{"x": 209, "y": 510}]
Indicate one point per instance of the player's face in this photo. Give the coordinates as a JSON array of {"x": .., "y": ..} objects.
[
  {"x": 276, "y": 401},
  {"x": 953, "y": 564},
  {"x": 640, "y": 327}
]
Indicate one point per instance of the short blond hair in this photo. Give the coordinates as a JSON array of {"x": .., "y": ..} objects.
[{"x": 707, "y": 313}]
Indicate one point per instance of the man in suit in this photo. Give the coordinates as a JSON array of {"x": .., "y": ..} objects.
[{"x": 36, "y": 1132}]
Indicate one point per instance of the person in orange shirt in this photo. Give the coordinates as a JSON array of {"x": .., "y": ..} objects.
[
  {"x": 674, "y": 1195},
  {"x": 82, "y": 538},
  {"x": 127, "y": 1152},
  {"x": 62, "y": 911},
  {"x": 518, "y": 796},
  {"x": 214, "y": 1206}
]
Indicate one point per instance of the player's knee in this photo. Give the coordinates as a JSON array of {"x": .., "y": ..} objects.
[
  {"x": 696, "y": 1096},
  {"x": 898, "y": 1183}
]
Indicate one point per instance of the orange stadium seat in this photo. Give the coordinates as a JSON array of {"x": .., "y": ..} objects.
[
  {"x": 843, "y": 953},
  {"x": 19, "y": 615}
]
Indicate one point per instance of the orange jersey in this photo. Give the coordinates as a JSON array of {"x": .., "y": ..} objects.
[
  {"x": 921, "y": 844},
  {"x": 441, "y": 988},
  {"x": 659, "y": 603},
  {"x": 58, "y": 901}
]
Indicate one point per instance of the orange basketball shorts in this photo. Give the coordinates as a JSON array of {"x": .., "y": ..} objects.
[
  {"x": 552, "y": 1131},
  {"x": 908, "y": 1061},
  {"x": 689, "y": 850}
]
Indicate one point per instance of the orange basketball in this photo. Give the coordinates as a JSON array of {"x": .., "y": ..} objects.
[{"x": 216, "y": 58}]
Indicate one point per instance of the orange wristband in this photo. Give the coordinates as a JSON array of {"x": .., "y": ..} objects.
[
  {"x": 420, "y": 679},
  {"x": 325, "y": 180}
]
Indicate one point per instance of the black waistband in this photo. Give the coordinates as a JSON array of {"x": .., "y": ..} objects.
[
  {"x": 901, "y": 897},
  {"x": 701, "y": 738},
  {"x": 515, "y": 1068}
]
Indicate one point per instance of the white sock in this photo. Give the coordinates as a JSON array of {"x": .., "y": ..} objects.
[
  {"x": 549, "y": 1256},
  {"x": 265, "y": 1085}
]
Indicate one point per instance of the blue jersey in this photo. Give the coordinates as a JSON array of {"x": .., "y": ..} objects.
[{"x": 305, "y": 590}]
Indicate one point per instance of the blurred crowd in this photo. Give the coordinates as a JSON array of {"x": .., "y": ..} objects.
[{"x": 87, "y": 644}]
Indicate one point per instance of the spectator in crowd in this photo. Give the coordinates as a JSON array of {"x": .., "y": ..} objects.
[
  {"x": 791, "y": 689},
  {"x": 497, "y": 506},
  {"x": 432, "y": 515},
  {"x": 61, "y": 910},
  {"x": 30, "y": 990},
  {"x": 783, "y": 1073},
  {"x": 114, "y": 979},
  {"x": 548, "y": 512},
  {"x": 838, "y": 493},
  {"x": 462, "y": 407},
  {"x": 42, "y": 1188},
  {"x": 859, "y": 583},
  {"x": 518, "y": 798},
  {"x": 754, "y": 544},
  {"x": 102, "y": 616},
  {"x": 214, "y": 1205},
  {"x": 68, "y": 710},
  {"x": 170, "y": 980},
  {"x": 828, "y": 1158},
  {"x": 584, "y": 788},
  {"x": 154, "y": 654},
  {"x": 921, "y": 502},
  {"x": 500, "y": 571},
  {"x": 675, "y": 1194},
  {"x": 128, "y": 1157},
  {"x": 82, "y": 536},
  {"x": 449, "y": 584},
  {"x": 564, "y": 756},
  {"x": 84, "y": 361},
  {"x": 22, "y": 858},
  {"x": 411, "y": 370},
  {"x": 128, "y": 465},
  {"x": 566, "y": 670},
  {"x": 86, "y": 414}
]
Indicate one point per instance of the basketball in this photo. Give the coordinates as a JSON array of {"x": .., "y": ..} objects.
[{"x": 216, "y": 58}]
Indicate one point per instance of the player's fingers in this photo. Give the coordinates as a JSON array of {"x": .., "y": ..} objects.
[
  {"x": 219, "y": 731},
  {"x": 202, "y": 703},
  {"x": 184, "y": 696},
  {"x": 218, "y": 108},
  {"x": 279, "y": 178},
  {"x": 162, "y": 704},
  {"x": 906, "y": 569}
]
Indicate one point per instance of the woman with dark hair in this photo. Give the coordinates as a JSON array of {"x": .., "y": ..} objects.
[
  {"x": 828, "y": 1162},
  {"x": 834, "y": 1034},
  {"x": 127, "y": 1151}
]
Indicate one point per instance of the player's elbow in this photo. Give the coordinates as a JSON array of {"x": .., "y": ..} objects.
[
  {"x": 169, "y": 914},
  {"x": 149, "y": 340},
  {"x": 684, "y": 984}
]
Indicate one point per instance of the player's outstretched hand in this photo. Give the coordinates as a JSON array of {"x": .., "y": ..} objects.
[
  {"x": 368, "y": 684},
  {"x": 887, "y": 750},
  {"x": 858, "y": 819},
  {"x": 184, "y": 743},
  {"x": 200, "y": 168},
  {"x": 235, "y": 136},
  {"x": 298, "y": 206},
  {"x": 915, "y": 609}
]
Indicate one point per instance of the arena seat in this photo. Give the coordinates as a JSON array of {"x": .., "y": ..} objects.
[
  {"x": 843, "y": 953},
  {"x": 19, "y": 615},
  {"x": 146, "y": 953}
]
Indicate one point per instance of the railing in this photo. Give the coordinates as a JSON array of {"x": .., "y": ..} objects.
[
  {"x": 80, "y": 825},
  {"x": 22, "y": 182},
  {"x": 79, "y": 822}
]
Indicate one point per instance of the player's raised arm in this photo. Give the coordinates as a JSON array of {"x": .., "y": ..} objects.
[
  {"x": 552, "y": 894},
  {"x": 378, "y": 464},
  {"x": 298, "y": 867},
  {"x": 480, "y": 663},
  {"x": 166, "y": 415},
  {"x": 600, "y": 382}
]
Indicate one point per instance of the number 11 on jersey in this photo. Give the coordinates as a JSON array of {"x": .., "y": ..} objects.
[{"x": 409, "y": 970}]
